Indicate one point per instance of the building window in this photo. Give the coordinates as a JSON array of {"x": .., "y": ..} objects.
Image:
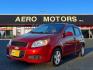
[{"x": 85, "y": 33}]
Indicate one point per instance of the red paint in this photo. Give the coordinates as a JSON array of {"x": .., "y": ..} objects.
[{"x": 70, "y": 43}]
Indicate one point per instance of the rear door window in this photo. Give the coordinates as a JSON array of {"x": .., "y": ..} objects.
[{"x": 77, "y": 31}]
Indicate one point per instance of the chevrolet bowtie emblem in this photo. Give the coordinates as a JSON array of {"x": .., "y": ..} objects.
[{"x": 16, "y": 47}]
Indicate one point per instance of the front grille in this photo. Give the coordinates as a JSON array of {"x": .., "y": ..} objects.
[
  {"x": 18, "y": 44},
  {"x": 21, "y": 54}
]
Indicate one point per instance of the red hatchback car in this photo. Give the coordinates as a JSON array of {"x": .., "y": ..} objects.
[{"x": 47, "y": 43}]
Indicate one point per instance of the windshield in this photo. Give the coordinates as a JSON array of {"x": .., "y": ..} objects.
[{"x": 48, "y": 28}]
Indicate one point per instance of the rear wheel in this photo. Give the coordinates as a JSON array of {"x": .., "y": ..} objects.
[
  {"x": 82, "y": 51},
  {"x": 56, "y": 57}
]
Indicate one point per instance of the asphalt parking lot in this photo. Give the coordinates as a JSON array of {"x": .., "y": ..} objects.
[{"x": 69, "y": 63}]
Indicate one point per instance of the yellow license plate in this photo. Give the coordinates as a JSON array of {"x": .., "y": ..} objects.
[{"x": 15, "y": 53}]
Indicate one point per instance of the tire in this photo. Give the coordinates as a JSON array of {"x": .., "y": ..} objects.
[
  {"x": 56, "y": 57},
  {"x": 82, "y": 51}
]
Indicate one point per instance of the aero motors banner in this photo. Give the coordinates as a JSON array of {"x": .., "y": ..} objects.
[{"x": 29, "y": 20}]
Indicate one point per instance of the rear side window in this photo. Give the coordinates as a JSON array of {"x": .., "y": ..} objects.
[{"x": 77, "y": 31}]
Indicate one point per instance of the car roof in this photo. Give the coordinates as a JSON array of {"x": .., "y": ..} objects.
[
  {"x": 66, "y": 24},
  {"x": 54, "y": 24},
  {"x": 70, "y": 24}
]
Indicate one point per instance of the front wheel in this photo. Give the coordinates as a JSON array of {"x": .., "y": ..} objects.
[{"x": 57, "y": 57}]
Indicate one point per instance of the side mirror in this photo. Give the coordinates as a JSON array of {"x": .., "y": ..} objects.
[{"x": 68, "y": 34}]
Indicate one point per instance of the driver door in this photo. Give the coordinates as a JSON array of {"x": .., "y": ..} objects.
[{"x": 69, "y": 42}]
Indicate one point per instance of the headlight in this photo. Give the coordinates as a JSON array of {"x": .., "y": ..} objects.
[
  {"x": 9, "y": 43},
  {"x": 40, "y": 43}
]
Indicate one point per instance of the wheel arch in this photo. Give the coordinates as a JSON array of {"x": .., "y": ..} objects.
[
  {"x": 83, "y": 44},
  {"x": 60, "y": 47}
]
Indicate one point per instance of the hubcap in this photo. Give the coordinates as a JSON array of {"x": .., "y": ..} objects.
[
  {"x": 57, "y": 57},
  {"x": 82, "y": 51}
]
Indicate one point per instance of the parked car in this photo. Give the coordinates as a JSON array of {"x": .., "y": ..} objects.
[{"x": 47, "y": 43}]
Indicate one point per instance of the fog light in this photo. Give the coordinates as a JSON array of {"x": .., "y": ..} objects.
[
  {"x": 34, "y": 57},
  {"x": 33, "y": 51}
]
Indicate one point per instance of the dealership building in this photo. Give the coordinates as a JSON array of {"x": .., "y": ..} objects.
[
  {"x": 16, "y": 25},
  {"x": 10, "y": 32}
]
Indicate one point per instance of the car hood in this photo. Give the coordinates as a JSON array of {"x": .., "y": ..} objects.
[{"x": 32, "y": 36}]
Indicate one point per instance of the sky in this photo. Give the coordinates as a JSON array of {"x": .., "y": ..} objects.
[{"x": 46, "y": 7}]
